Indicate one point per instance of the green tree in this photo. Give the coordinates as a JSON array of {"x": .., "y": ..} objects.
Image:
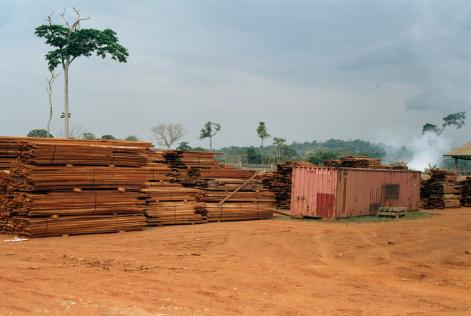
[
  {"x": 88, "y": 136},
  {"x": 184, "y": 146},
  {"x": 131, "y": 138},
  {"x": 209, "y": 130},
  {"x": 318, "y": 157},
  {"x": 40, "y": 133},
  {"x": 69, "y": 42},
  {"x": 262, "y": 132},
  {"x": 455, "y": 119},
  {"x": 278, "y": 144},
  {"x": 108, "y": 137},
  {"x": 253, "y": 155}
]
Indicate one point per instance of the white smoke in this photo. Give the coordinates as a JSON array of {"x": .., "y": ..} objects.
[{"x": 428, "y": 150}]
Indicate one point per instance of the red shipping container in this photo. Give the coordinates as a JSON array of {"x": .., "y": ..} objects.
[{"x": 344, "y": 192}]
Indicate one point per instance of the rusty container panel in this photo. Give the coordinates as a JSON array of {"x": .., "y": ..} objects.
[
  {"x": 362, "y": 191},
  {"x": 345, "y": 192},
  {"x": 313, "y": 192}
]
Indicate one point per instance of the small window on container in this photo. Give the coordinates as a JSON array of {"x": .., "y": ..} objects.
[{"x": 391, "y": 191}]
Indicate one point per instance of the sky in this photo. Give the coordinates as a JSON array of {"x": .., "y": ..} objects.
[{"x": 312, "y": 70}]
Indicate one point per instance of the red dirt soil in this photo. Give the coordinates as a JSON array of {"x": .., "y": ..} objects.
[{"x": 272, "y": 267}]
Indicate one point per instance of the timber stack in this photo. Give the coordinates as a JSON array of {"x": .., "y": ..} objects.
[
  {"x": 465, "y": 190},
  {"x": 441, "y": 190},
  {"x": 167, "y": 201},
  {"x": 279, "y": 181},
  {"x": 424, "y": 193},
  {"x": 240, "y": 196},
  {"x": 226, "y": 193},
  {"x": 69, "y": 187},
  {"x": 355, "y": 162}
]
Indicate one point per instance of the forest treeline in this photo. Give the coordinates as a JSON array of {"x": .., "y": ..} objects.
[{"x": 315, "y": 151}]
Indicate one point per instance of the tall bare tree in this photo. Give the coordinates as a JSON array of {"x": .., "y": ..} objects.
[
  {"x": 50, "y": 83},
  {"x": 69, "y": 42},
  {"x": 167, "y": 134}
]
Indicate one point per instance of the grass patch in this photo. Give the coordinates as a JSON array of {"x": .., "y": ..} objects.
[{"x": 363, "y": 219}]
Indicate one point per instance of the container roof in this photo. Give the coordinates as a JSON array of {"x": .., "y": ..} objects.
[{"x": 463, "y": 152}]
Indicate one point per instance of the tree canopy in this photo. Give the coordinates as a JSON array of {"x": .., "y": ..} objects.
[
  {"x": 88, "y": 136},
  {"x": 131, "y": 138},
  {"x": 455, "y": 119},
  {"x": 72, "y": 42},
  {"x": 40, "y": 133},
  {"x": 209, "y": 130},
  {"x": 262, "y": 131}
]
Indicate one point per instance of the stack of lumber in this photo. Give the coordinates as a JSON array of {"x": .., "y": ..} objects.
[
  {"x": 464, "y": 183},
  {"x": 172, "y": 204},
  {"x": 355, "y": 162},
  {"x": 187, "y": 166},
  {"x": 167, "y": 201},
  {"x": 441, "y": 190},
  {"x": 398, "y": 165},
  {"x": 235, "y": 199},
  {"x": 72, "y": 187},
  {"x": 424, "y": 194},
  {"x": 29, "y": 147},
  {"x": 217, "y": 184},
  {"x": 279, "y": 182}
]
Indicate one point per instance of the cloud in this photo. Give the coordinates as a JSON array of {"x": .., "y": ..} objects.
[{"x": 310, "y": 69}]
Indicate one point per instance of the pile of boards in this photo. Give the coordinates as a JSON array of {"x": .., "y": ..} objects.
[
  {"x": 65, "y": 187},
  {"x": 464, "y": 185},
  {"x": 226, "y": 193},
  {"x": 355, "y": 162},
  {"x": 440, "y": 190},
  {"x": 53, "y": 187},
  {"x": 168, "y": 202},
  {"x": 280, "y": 181}
]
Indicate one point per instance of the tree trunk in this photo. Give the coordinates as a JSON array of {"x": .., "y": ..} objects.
[
  {"x": 211, "y": 143},
  {"x": 261, "y": 152},
  {"x": 66, "y": 100},
  {"x": 49, "y": 92}
]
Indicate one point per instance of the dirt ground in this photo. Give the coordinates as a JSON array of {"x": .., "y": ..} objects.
[{"x": 272, "y": 267}]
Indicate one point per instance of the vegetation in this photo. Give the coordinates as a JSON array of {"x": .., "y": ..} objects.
[
  {"x": 262, "y": 132},
  {"x": 209, "y": 130},
  {"x": 88, "y": 136},
  {"x": 318, "y": 157},
  {"x": 315, "y": 151},
  {"x": 40, "y": 133},
  {"x": 363, "y": 219},
  {"x": 168, "y": 134},
  {"x": 108, "y": 137},
  {"x": 184, "y": 146},
  {"x": 131, "y": 138},
  {"x": 70, "y": 42},
  {"x": 455, "y": 119}
]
